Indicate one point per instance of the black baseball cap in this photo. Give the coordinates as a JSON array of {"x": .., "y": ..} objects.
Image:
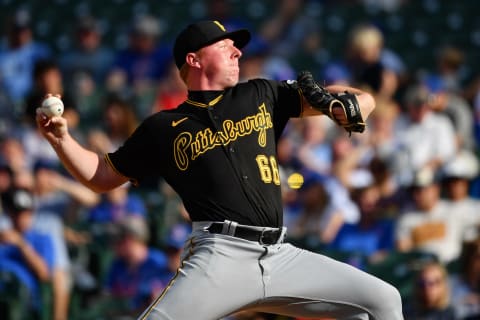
[
  {"x": 16, "y": 200},
  {"x": 203, "y": 33}
]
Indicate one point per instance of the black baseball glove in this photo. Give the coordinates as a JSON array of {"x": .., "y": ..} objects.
[{"x": 325, "y": 102}]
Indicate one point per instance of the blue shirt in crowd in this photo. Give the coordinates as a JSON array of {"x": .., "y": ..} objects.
[
  {"x": 137, "y": 284},
  {"x": 12, "y": 261}
]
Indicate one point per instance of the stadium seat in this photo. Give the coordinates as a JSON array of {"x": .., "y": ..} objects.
[
  {"x": 399, "y": 269},
  {"x": 14, "y": 297}
]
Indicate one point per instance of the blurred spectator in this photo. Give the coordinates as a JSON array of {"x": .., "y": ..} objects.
[
  {"x": 381, "y": 125},
  {"x": 315, "y": 153},
  {"x": 431, "y": 298},
  {"x": 326, "y": 206},
  {"x": 18, "y": 57},
  {"x": 85, "y": 67},
  {"x": 429, "y": 226},
  {"x": 13, "y": 155},
  {"x": 58, "y": 201},
  {"x": 290, "y": 178},
  {"x": 119, "y": 121},
  {"x": 258, "y": 61},
  {"x": 90, "y": 57},
  {"x": 178, "y": 234},
  {"x": 372, "y": 236},
  {"x": 223, "y": 11},
  {"x": 380, "y": 142},
  {"x": 173, "y": 212},
  {"x": 142, "y": 65},
  {"x": 287, "y": 156},
  {"x": 336, "y": 73},
  {"x": 6, "y": 177},
  {"x": 56, "y": 193},
  {"x": 114, "y": 207},
  {"x": 117, "y": 204},
  {"x": 476, "y": 118},
  {"x": 171, "y": 90},
  {"x": 99, "y": 141},
  {"x": 47, "y": 79},
  {"x": 424, "y": 138},
  {"x": 144, "y": 59},
  {"x": 392, "y": 199},
  {"x": 253, "y": 64},
  {"x": 291, "y": 33},
  {"x": 278, "y": 68},
  {"x": 136, "y": 273},
  {"x": 317, "y": 220},
  {"x": 455, "y": 107},
  {"x": 25, "y": 252},
  {"x": 348, "y": 155},
  {"x": 451, "y": 68},
  {"x": 62, "y": 281},
  {"x": 389, "y": 6},
  {"x": 371, "y": 63},
  {"x": 456, "y": 177},
  {"x": 52, "y": 226},
  {"x": 465, "y": 282}
]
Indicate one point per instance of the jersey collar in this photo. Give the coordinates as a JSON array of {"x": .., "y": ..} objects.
[{"x": 204, "y": 99}]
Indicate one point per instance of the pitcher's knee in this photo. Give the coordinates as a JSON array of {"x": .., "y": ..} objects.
[{"x": 388, "y": 303}]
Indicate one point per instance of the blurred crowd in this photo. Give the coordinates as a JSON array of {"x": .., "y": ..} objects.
[{"x": 400, "y": 201}]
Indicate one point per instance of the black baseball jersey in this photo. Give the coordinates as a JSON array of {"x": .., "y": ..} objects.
[{"x": 218, "y": 151}]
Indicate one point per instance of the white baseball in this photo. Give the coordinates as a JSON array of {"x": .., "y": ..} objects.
[{"x": 52, "y": 106}]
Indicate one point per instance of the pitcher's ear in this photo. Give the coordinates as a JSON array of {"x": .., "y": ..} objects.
[{"x": 192, "y": 59}]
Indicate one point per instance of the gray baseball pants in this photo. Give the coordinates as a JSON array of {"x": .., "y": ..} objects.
[{"x": 221, "y": 274}]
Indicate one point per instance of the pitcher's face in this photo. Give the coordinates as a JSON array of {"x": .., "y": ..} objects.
[{"x": 220, "y": 63}]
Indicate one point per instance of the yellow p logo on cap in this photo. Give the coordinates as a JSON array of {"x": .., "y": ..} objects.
[{"x": 220, "y": 25}]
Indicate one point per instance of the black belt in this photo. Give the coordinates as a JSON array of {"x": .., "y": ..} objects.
[{"x": 264, "y": 236}]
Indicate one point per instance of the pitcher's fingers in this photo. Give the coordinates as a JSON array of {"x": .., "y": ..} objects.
[
  {"x": 40, "y": 117},
  {"x": 48, "y": 95}
]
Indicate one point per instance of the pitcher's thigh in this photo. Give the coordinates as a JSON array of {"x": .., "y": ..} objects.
[{"x": 317, "y": 277}]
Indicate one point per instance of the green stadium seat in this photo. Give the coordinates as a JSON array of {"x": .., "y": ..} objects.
[{"x": 399, "y": 269}]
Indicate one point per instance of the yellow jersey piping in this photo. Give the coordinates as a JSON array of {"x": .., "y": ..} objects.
[
  {"x": 109, "y": 162},
  {"x": 205, "y": 105}
]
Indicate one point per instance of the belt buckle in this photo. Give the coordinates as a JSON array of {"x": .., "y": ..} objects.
[{"x": 262, "y": 236}]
